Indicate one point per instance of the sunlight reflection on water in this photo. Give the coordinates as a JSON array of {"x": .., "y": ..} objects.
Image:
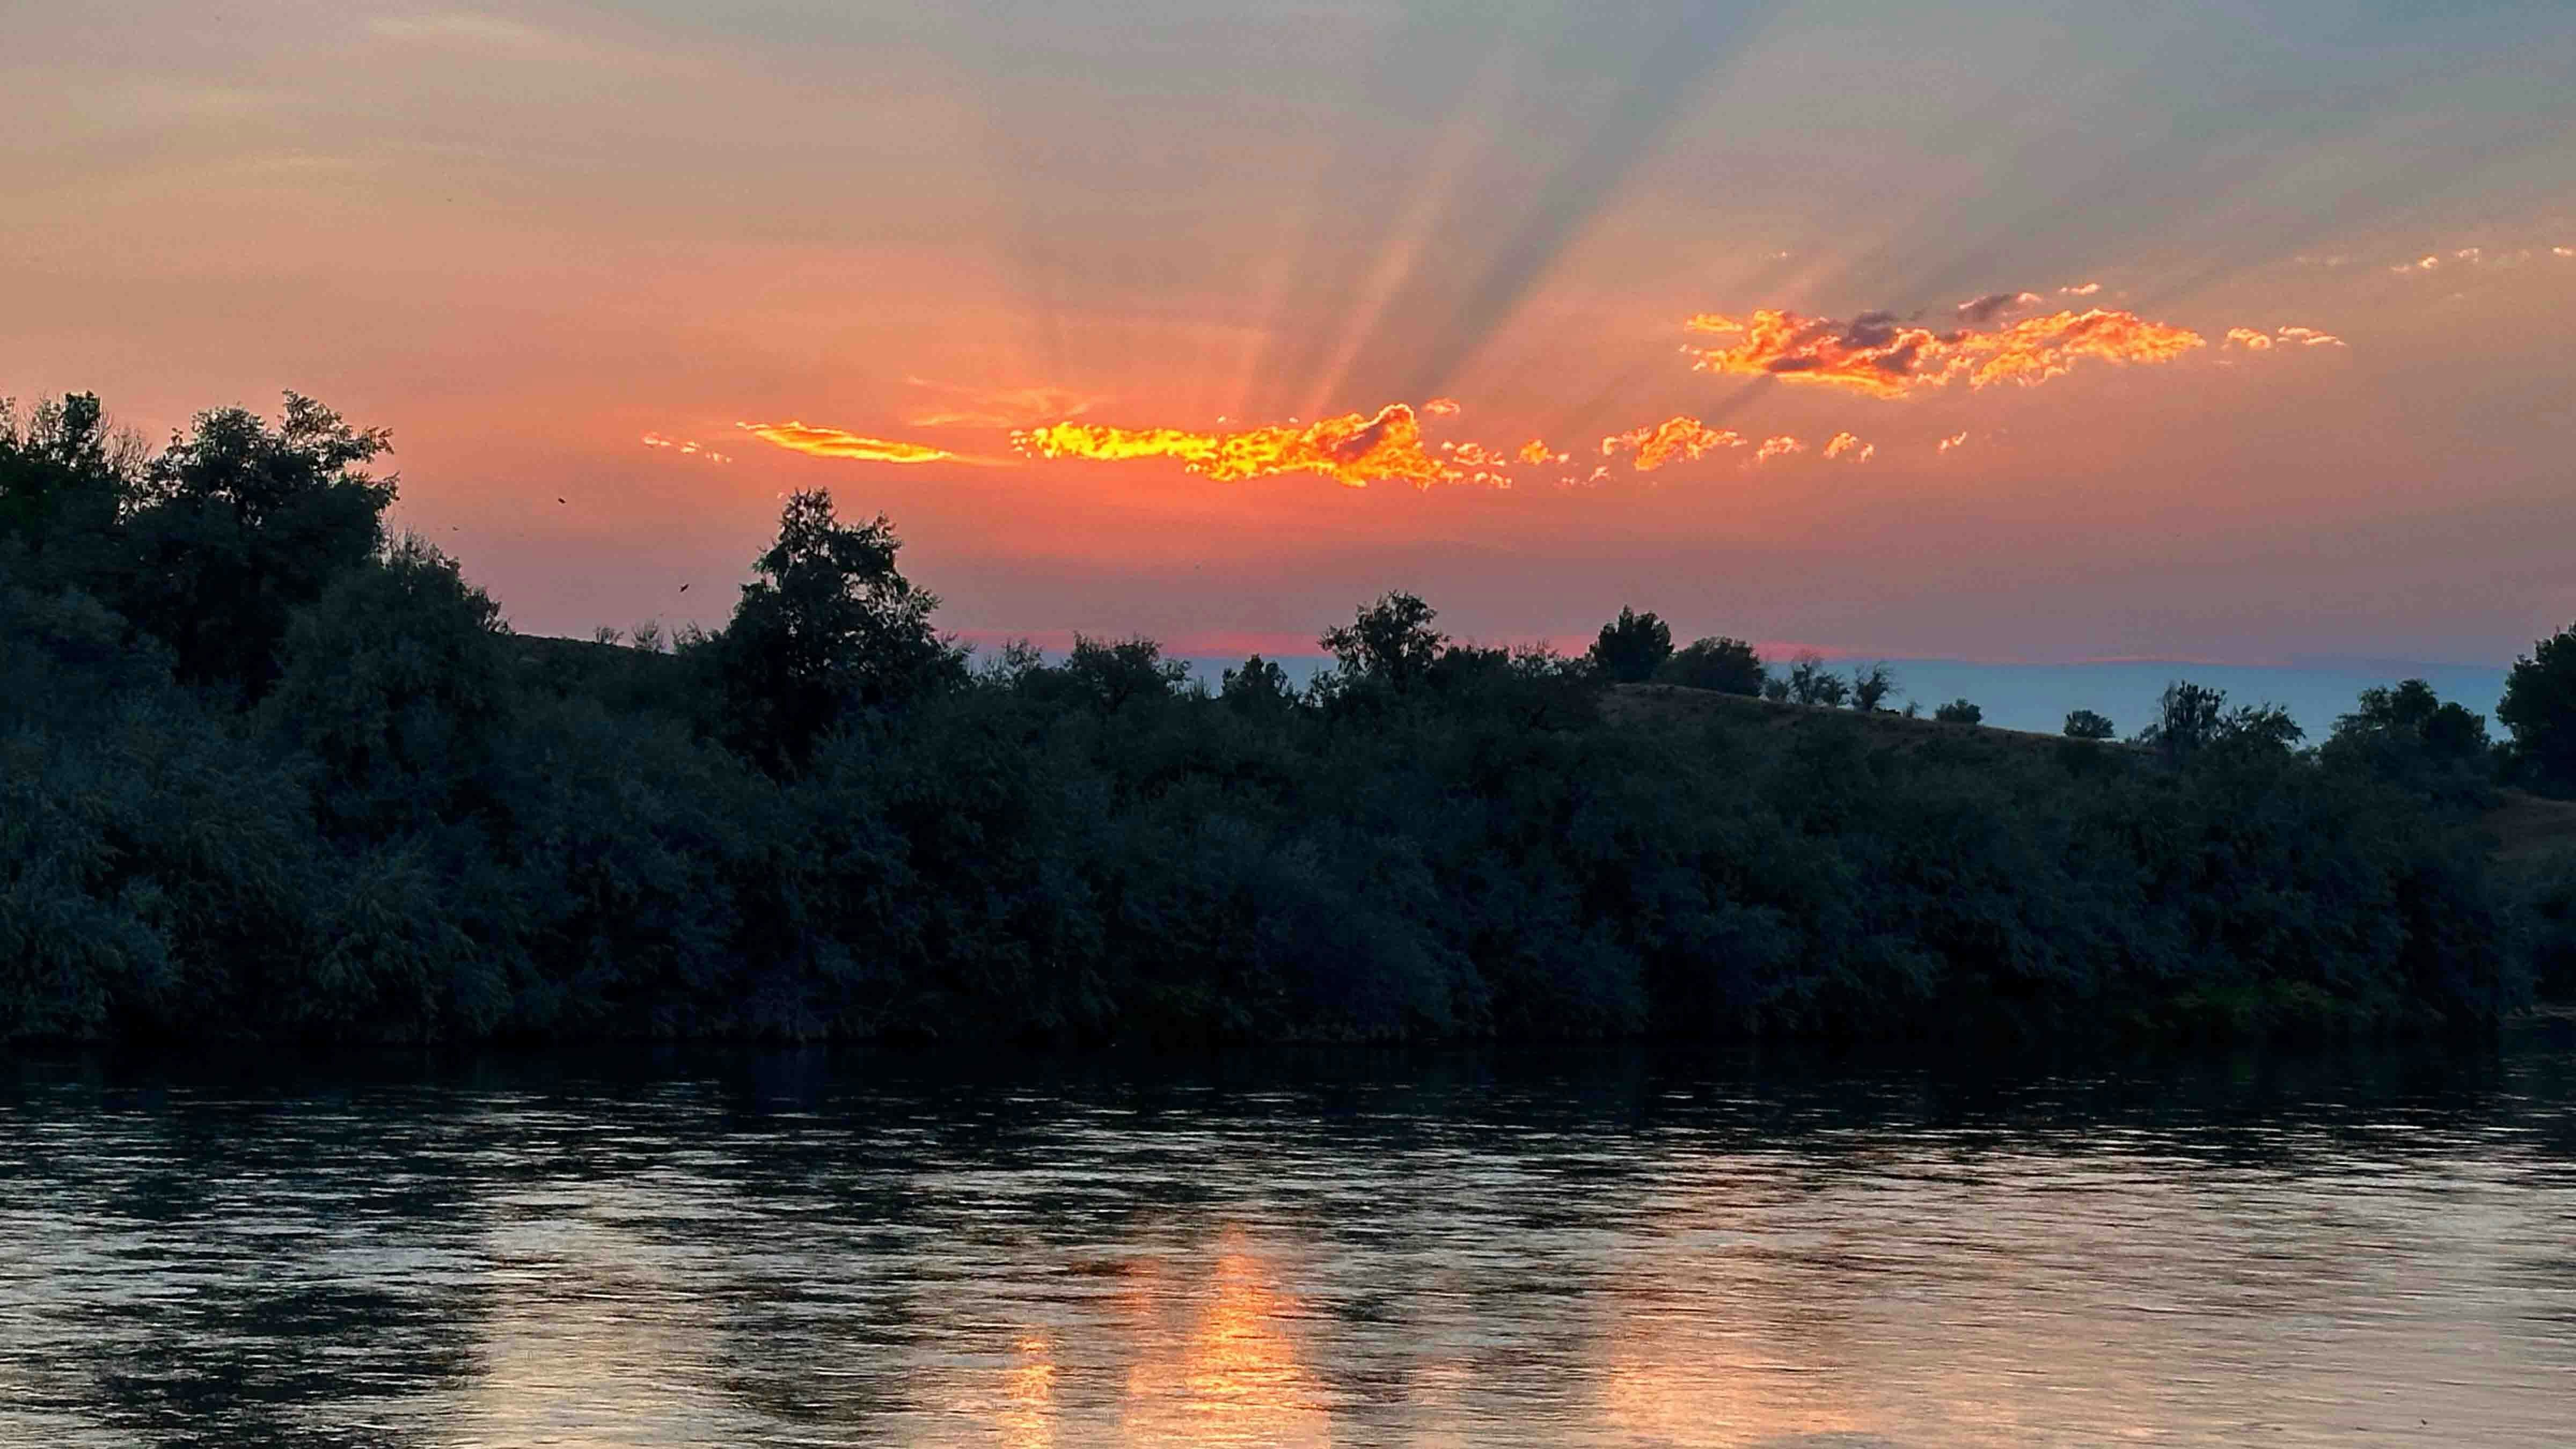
[{"x": 1407, "y": 1254}]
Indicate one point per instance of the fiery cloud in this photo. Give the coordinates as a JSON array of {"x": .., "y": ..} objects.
[
  {"x": 2082, "y": 289},
  {"x": 2255, "y": 339},
  {"x": 834, "y": 443},
  {"x": 1779, "y": 447},
  {"x": 1877, "y": 354},
  {"x": 679, "y": 445},
  {"x": 1352, "y": 450},
  {"x": 1537, "y": 451},
  {"x": 1955, "y": 440},
  {"x": 1682, "y": 438},
  {"x": 1441, "y": 407},
  {"x": 1850, "y": 443}
]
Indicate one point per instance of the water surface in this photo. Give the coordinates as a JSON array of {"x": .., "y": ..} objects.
[{"x": 1610, "y": 1249}]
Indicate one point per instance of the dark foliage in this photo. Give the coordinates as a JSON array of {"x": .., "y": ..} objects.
[
  {"x": 1959, "y": 711},
  {"x": 1809, "y": 682},
  {"x": 827, "y": 626},
  {"x": 2407, "y": 735},
  {"x": 2084, "y": 724},
  {"x": 1390, "y": 644},
  {"x": 2539, "y": 709},
  {"x": 1727, "y": 665},
  {"x": 395, "y": 820},
  {"x": 1632, "y": 647},
  {"x": 1870, "y": 688}
]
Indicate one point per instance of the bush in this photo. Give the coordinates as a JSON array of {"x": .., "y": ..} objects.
[
  {"x": 1727, "y": 665},
  {"x": 2084, "y": 724},
  {"x": 1959, "y": 711}
]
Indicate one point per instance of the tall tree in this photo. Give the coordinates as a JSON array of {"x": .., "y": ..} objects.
[
  {"x": 1389, "y": 643},
  {"x": 63, "y": 481},
  {"x": 2540, "y": 709},
  {"x": 238, "y": 525},
  {"x": 829, "y": 624},
  {"x": 1632, "y": 647}
]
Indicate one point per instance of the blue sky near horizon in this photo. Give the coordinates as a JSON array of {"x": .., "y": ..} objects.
[{"x": 2248, "y": 327}]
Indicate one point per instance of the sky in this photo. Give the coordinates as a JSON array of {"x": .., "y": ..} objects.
[{"x": 1992, "y": 331}]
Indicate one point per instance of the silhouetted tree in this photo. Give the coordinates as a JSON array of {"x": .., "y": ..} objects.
[
  {"x": 237, "y": 525},
  {"x": 63, "y": 480},
  {"x": 2410, "y": 712},
  {"x": 2186, "y": 720},
  {"x": 1870, "y": 688},
  {"x": 2264, "y": 726},
  {"x": 1727, "y": 665},
  {"x": 2407, "y": 735},
  {"x": 830, "y": 624},
  {"x": 2539, "y": 709},
  {"x": 1775, "y": 688},
  {"x": 1632, "y": 647},
  {"x": 1959, "y": 711},
  {"x": 1113, "y": 674},
  {"x": 1259, "y": 687},
  {"x": 1390, "y": 643},
  {"x": 2084, "y": 724},
  {"x": 1811, "y": 683}
]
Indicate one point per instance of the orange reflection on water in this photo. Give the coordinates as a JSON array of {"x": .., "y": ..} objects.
[
  {"x": 1027, "y": 1418},
  {"x": 1234, "y": 1374}
]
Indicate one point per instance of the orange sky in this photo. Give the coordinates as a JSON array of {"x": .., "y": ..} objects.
[{"x": 860, "y": 247}]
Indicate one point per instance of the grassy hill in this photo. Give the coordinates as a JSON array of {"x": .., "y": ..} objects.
[{"x": 2527, "y": 830}]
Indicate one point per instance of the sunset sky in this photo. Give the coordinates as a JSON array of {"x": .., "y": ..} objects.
[{"x": 2000, "y": 331}]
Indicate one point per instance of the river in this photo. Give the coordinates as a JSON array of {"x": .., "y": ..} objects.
[{"x": 1616, "y": 1248}]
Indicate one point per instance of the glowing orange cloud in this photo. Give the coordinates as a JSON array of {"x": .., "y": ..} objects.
[
  {"x": 1876, "y": 354},
  {"x": 1955, "y": 440},
  {"x": 1441, "y": 407},
  {"x": 656, "y": 440},
  {"x": 2254, "y": 339},
  {"x": 2082, "y": 289},
  {"x": 1683, "y": 438},
  {"x": 1779, "y": 447},
  {"x": 1352, "y": 450},
  {"x": 1850, "y": 443},
  {"x": 834, "y": 443},
  {"x": 1537, "y": 451}
]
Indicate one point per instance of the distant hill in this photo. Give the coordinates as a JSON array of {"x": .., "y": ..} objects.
[{"x": 2527, "y": 829}]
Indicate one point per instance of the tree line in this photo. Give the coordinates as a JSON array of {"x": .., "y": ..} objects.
[{"x": 268, "y": 772}]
